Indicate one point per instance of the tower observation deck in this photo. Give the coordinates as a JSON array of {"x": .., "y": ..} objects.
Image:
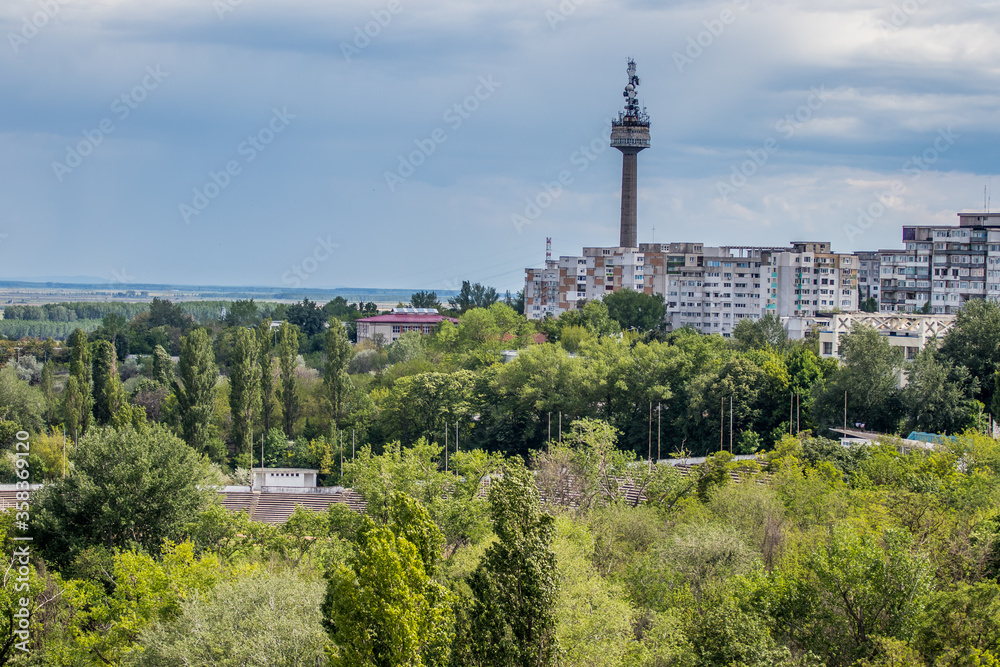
[{"x": 630, "y": 134}]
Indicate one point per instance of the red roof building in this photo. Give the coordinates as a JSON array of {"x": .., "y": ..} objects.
[{"x": 400, "y": 321}]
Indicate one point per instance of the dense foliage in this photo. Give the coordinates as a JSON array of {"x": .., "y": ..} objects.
[{"x": 515, "y": 511}]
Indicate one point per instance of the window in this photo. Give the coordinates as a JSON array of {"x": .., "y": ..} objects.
[{"x": 395, "y": 328}]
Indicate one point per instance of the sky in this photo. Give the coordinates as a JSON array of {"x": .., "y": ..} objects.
[{"x": 397, "y": 144}]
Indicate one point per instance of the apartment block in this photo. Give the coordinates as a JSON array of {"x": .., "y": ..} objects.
[
  {"x": 942, "y": 267},
  {"x": 707, "y": 288}
]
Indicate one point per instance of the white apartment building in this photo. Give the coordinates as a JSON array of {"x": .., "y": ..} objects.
[
  {"x": 809, "y": 279},
  {"x": 566, "y": 283},
  {"x": 707, "y": 288},
  {"x": 942, "y": 267}
]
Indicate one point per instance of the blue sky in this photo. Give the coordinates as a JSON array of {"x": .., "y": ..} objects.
[{"x": 254, "y": 142}]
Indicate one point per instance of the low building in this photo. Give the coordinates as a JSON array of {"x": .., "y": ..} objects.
[
  {"x": 401, "y": 320},
  {"x": 909, "y": 331},
  {"x": 288, "y": 478}
]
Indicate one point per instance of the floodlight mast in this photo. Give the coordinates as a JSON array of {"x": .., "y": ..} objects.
[{"x": 630, "y": 134}]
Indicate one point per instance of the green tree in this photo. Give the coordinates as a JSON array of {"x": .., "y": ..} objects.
[
  {"x": 265, "y": 342},
  {"x": 114, "y": 329},
  {"x": 244, "y": 386},
  {"x": 514, "y": 592},
  {"x": 307, "y": 316},
  {"x": 869, "y": 377},
  {"x": 164, "y": 313},
  {"x": 636, "y": 310},
  {"x": 265, "y": 619},
  {"x": 196, "y": 388},
  {"x": 335, "y": 378},
  {"x": 938, "y": 395},
  {"x": 78, "y": 402},
  {"x": 108, "y": 393},
  {"x": 473, "y": 296},
  {"x": 20, "y": 402},
  {"x": 974, "y": 342},
  {"x": 383, "y": 607},
  {"x": 765, "y": 333},
  {"x": 49, "y": 392},
  {"x": 287, "y": 352},
  {"x": 424, "y": 299},
  {"x": 243, "y": 314},
  {"x": 124, "y": 488},
  {"x": 858, "y": 586},
  {"x": 163, "y": 367}
]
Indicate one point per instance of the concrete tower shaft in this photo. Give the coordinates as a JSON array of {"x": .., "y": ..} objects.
[{"x": 630, "y": 134}]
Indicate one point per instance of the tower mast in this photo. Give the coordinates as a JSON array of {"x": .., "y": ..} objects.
[{"x": 630, "y": 134}]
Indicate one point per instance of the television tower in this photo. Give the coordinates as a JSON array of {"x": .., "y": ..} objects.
[{"x": 630, "y": 134}]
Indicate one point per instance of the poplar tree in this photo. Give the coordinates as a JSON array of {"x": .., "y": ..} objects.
[
  {"x": 163, "y": 367},
  {"x": 288, "y": 350},
  {"x": 196, "y": 389},
  {"x": 335, "y": 378},
  {"x": 108, "y": 392},
  {"x": 244, "y": 385},
  {"x": 266, "y": 366},
  {"x": 78, "y": 399},
  {"x": 512, "y": 616}
]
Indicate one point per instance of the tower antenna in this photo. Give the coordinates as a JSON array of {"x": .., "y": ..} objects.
[{"x": 630, "y": 134}]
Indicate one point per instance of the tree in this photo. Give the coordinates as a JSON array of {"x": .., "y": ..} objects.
[
  {"x": 79, "y": 399},
  {"x": 383, "y": 606},
  {"x": 869, "y": 377},
  {"x": 242, "y": 314},
  {"x": 473, "y": 296},
  {"x": 20, "y": 403},
  {"x": 857, "y": 587},
  {"x": 49, "y": 392},
  {"x": 974, "y": 342},
  {"x": 288, "y": 350},
  {"x": 266, "y": 365},
  {"x": 164, "y": 313},
  {"x": 512, "y": 613},
  {"x": 124, "y": 488},
  {"x": 108, "y": 393},
  {"x": 114, "y": 329},
  {"x": 196, "y": 389},
  {"x": 163, "y": 367},
  {"x": 938, "y": 395},
  {"x": 869, "y": 305},
  {"x": 764, "y": 333},
  {"x": 636, "y": 310},
  {"x": 244, "y": 386},
  {"x": 307, "y": 316},
  {"x": 264, "y": 619},
  {"x": 424, "y": 299},
  {"x": 335, "y": 378}
]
